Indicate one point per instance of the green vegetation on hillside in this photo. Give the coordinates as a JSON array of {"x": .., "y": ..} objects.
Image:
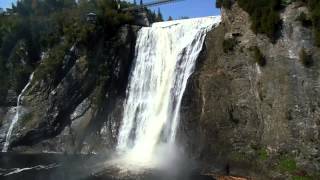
[
  {"x": 32, "y": 27},
  {"x": 258, "y": 56},
  {"x": 287, "y": 164},
  {"x": 311, "y": 19},
  {"x": 305, "y": 58},
  {"x": 229, "y": 44},
  {"x": 224, "y": 3},
  {"x": 264, "y": 15},
  {"x": 314, "y": 7},
  {"x": 263, "y": 154},
  {"x": 304, "y": 19}
]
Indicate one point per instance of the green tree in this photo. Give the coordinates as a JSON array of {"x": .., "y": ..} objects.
[
  {"x": 259, "y": 57},
  {"x": 305, "y": 58},
  {"x": 51, "y": 26},
  {"x": 264, "y": 15},
  {"x": 159, "y": 16},
  {"x": 224, "y": 3}
]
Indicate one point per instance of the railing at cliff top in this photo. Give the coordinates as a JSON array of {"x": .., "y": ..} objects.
[{"x": 150, "y": 4}]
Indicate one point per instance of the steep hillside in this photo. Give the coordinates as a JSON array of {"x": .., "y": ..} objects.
[
  {"x": 252, "y": 106},
  {"x": 80, "y": 71}
]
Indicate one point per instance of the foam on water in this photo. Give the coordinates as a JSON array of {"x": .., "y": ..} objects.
[{"x": 166, "y": 55}]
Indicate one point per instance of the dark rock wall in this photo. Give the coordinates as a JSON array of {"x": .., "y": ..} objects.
[
  {"x": 256, "y": 120},
  {"x": 80, "y": 110}
]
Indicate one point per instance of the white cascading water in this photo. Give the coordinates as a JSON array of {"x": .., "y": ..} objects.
[
  {"x": 16, "y": 117},
  {"x": 166, "y": 55}
]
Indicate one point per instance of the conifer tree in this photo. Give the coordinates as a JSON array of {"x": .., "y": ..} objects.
[{"x": 159, "y": 16}]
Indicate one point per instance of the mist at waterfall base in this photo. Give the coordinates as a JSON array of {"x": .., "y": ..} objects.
[{"x": 147, "y": 148}]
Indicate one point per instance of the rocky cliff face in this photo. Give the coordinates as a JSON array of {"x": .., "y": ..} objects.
[
  {"x": 72, "y": 111},
  {"x": 261, "y": 121},
  {"x": 253, "y": 120}
]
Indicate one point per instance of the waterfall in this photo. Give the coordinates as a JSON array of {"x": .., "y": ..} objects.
[
  {"x": 166, "y": 55},
  {"x": 16, "y": 117}
]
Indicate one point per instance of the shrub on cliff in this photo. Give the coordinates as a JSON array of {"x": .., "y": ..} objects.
[
  {"x": 21, "y": 77},
  {"x": 3, "y": 82},
  {"x": 264, "y": 15},
  {"x": 304, "y": 19},
  {"x": 53, "y": 62},
  {"x": 109, "y": 18},
  {"x": 224, "y": 3},
  {"x": 258, "y": 56},
  {"x": 314, "y": 8},
  {"x": 265, "y": 18},
  {"x": 287, "y": 164},
  {"x": 317, "y": 37},
  {"x": 305, "y": 58},
  {"x": 229, "y": 44}
]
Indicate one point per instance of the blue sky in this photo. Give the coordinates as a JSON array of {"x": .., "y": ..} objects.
[
  {"x": 6, "y": 3},
  {"x": 190, "y": 8}
]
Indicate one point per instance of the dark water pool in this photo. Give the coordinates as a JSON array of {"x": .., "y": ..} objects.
[{"x": 73, "y": 167}]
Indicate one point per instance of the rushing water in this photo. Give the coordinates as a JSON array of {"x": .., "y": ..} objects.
[
  {"x": 16, "y": 117},
  {"x": 166, "y": 55}
]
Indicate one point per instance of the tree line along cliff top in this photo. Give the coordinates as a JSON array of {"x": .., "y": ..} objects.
[
  {"x": 32, "y": 27},
  {"x": 265, "y": 15}
]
